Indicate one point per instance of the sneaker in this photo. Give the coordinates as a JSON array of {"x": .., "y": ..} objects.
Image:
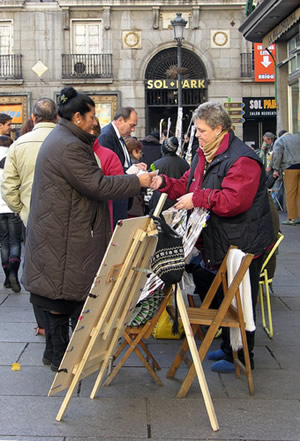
[
  {"x": 289, "y": 222},
  {"x": 216, "y": 355},
  {"x": 223, "y": 367}
]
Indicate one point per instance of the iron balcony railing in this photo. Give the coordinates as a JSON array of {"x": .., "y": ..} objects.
[
  {"x": 10, "y": 67},
  {"x": 86, "y": 66},
  {"x": 247, "y": 64}
]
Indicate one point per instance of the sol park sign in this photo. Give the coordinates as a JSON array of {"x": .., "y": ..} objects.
[{"x": 173, "y": 84}]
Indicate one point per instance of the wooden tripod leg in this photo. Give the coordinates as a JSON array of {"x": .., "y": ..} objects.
[{"x": 197, "y": 363}]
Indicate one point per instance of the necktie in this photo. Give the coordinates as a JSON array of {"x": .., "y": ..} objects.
[{"x": 127, "y": 161}]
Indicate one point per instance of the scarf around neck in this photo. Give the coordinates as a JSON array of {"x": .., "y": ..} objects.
[{"x": 210, "y": 149}]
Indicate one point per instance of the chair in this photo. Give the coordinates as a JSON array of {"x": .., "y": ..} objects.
[
  {"x": 134, "y": 338},
  {"x": 275, "y": 193},
  {"x": 265, "y": 283},
  {"x": 226, "y": 316}
]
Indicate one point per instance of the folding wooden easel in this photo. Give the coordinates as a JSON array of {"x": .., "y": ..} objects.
[
  {"x": 108, "y": 309},
  {"x": 225, "y": 316}
]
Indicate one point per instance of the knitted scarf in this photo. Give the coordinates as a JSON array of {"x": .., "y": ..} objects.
[{"x": 210, "y": 149}]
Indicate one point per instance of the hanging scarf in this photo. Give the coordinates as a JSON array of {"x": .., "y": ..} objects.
[{"x": 210, "y": 149}]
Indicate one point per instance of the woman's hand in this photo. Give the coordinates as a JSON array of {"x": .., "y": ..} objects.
[
  {"x": 156, "y": 182},
  {"x": 185, "y": 202},
  {"x": 141, "y": 166}
]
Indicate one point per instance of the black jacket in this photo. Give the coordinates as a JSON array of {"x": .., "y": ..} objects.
[
  {"x": 151, "y": 149},
  {"x": 251, "y": 231}
]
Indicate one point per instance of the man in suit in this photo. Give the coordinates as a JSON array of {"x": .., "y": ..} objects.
[{"x": 112, "y": 136}]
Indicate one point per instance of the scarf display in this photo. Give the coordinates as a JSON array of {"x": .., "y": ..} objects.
[{"x": 210, "y": 149}]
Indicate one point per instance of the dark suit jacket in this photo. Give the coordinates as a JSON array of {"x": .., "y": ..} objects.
[{"x": 109, "y": 139}]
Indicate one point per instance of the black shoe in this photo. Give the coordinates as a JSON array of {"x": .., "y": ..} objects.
[
  {"x": 54, "y": 368},
  {"x": 46, "y": 361},
  {"x": 6, "y": 283},
  {"x": 47, "y": 357},
  {"x": 14, "y": 282}
]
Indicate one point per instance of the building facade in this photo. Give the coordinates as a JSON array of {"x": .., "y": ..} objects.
[
  {"x": 278, "y": 22},
  {"x": 123, "y": 53}
]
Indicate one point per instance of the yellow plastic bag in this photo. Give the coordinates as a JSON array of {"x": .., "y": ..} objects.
[{"x": 163, "y": 328}]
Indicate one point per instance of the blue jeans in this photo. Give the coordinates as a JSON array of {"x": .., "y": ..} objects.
[{"x": 10, "y": 237}]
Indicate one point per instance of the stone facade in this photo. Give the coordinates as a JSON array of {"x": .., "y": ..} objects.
[{"x": 133, "y": 32}]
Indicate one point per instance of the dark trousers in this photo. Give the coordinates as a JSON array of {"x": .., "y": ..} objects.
[
  {"x": 10, "y": 238},
  {"x": 203, "y": 279}
]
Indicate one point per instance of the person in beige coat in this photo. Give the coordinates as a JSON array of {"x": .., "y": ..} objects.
[
  {"x": 21, "y": 158},
  {"x": 19, "y": 169}
]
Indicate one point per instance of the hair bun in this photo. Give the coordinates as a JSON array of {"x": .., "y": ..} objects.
[{"x": 66, "y": 95}]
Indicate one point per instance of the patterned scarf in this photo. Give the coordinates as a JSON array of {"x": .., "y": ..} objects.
[{"x": 210, "y": 149}]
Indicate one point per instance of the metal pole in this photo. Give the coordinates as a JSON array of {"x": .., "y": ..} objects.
[
  {"x": 179, "y": 45},
  {"x": 179, "y": 99}
]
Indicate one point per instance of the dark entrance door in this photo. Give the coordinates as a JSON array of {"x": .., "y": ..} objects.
[{"x": 161, "y": 97}]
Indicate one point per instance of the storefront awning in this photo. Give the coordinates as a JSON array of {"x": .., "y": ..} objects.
[{"x": 267, "y": 15}]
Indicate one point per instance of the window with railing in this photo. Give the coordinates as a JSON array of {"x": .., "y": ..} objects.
[
  {"x": 11, "y": 67},
  {"x": 86, "y": 66},
  {"x": 247, "y": 64}
]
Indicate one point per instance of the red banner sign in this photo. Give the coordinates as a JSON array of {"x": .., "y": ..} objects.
[{"x": 264, "y": 68}]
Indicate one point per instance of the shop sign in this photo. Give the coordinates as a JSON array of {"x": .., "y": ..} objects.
[
  {"x": 14, "y": 111},
  {"x": 173, "y": 84},
  {"x": 260, "y": 107},
  {"x": 264, "y": 67}
]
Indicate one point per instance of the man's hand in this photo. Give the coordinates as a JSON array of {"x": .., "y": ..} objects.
[
  {"x": 275, "y": 174},
  {"x": 156, "y": 182},
  {"x": 185, "y": 202},
  {"x": 146, "y": 179}
]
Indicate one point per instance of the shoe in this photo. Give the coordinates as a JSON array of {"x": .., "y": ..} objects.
[
  {"x": 216, "y": 355},
  {"x": 46, "y": 361},
  {"x": 297, "y": 222},
  {"x": 223, "y": 367},
  {"x": 6, "y": 283},
  {"x": 5, "y": 267},
  {"x": 54, "y": 368},
  {"x": 289, "y": 222},
  {"x": 14, "y": 282}
]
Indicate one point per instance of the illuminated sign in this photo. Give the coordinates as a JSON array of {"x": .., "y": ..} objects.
[
  {"x": 260, "y": 107},
  {"x": 14, "y": 111},
  {"x": 173, "y": 84},
  {"x": 264, "y": 68}
]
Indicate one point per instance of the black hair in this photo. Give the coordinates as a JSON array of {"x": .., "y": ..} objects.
[
  {"x": 5, "y": 141},
  {"x": 4, "y": 118},
  {"x": 70, "y": 102}
]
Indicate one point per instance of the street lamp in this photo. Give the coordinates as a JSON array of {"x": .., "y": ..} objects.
[{"x": 178, "y": 25}]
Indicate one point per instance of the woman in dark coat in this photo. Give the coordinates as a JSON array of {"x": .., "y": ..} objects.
[{"x": 69, "y": 224}]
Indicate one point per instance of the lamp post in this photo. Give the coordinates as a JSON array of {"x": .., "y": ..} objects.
[{"x": 178, "y": 25}]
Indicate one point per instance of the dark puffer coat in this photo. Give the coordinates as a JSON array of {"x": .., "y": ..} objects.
[{"x": 69, "y": 224}]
